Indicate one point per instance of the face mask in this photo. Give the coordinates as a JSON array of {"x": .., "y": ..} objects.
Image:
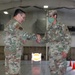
[{"x": 50, "y": 20}]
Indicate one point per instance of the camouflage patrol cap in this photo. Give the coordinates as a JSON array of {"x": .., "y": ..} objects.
[{"x": 52, "y": 12}]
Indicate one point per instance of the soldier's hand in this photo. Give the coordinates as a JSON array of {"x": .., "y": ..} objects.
[
  {"x": 38, "y": 38},
  {"x": 64, "y": 54}
]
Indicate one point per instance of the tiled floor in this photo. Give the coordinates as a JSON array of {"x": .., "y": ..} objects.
[{"x": 37, "y": 68}]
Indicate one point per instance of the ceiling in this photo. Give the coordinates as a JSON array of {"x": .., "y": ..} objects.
[
  {"x": 31, "y": 4},
  {"x": 37, "y": 5}
]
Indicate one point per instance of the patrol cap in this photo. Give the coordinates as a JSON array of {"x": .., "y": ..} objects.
[{"x": 52, "y": 12}]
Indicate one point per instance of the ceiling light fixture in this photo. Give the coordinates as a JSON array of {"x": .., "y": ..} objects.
[
  {"x": 5, "y": 12},
  {"x": 45, "y": 6}
]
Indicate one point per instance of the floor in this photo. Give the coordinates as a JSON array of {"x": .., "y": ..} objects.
[{"x": 36, "y": 68}]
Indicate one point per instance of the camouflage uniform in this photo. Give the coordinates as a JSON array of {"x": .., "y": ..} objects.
[
  {"x": 14, "y": 38},
  {"x": 59, "y": 40}
]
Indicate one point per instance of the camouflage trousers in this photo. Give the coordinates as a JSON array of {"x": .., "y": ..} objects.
[
  {"x": 12, "y": 61},
  {"x": 57, "y": 63}
]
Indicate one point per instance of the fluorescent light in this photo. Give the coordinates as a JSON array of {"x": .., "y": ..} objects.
[
  {"x": 5, "y": 12},
  {"x": 45, "y": 6}
]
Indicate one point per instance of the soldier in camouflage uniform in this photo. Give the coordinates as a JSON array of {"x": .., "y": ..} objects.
[
  {"x": 59, "y": 39},
  {"x": 14, "y": 38}
]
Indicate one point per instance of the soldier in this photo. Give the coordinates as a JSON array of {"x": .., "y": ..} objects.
[
  {"x": 14, "y": 38},
  {"x": 59, "y": 39}
]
